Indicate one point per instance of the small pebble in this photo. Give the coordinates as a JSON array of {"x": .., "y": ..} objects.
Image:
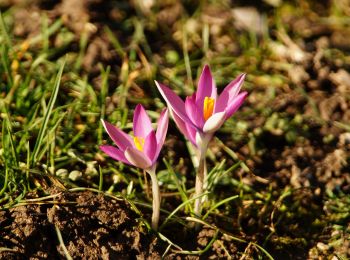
[
  {"x": 321, "y": 246},
  {"x": 62, "y": 173},
  {"x": 75, "y": 175}
]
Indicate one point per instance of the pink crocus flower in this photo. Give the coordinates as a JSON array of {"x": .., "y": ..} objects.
[
  {"x": 142, "y": 150},
  {"x": 202, "y": 114}
]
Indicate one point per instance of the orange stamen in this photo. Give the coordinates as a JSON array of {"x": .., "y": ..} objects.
[{"x": 208, "y": 107}]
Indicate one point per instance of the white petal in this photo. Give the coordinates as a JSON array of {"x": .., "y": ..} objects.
[
  {"x": 214, "y": 122},
  {"x": 137, "y": 158}
]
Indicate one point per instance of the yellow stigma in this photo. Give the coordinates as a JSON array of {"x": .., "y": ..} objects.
[
  {"x": 208, "y": 107},
  {"x": 139, "y": 143}
]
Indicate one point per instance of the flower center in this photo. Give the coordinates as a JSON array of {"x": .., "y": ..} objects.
[
  {"x": 208, "y": 107},
  {"x": 139, "y": 143}
]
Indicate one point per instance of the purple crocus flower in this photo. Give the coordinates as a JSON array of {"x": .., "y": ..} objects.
[
  {"x": 142, "y": 150},
  {"x": 201, "y": 115},
  {"x": 204, "y": 112}
]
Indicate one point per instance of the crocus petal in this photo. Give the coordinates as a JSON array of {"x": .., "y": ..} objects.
[
  {"x": 187, "y": 130},
  {"x": 194, "y": 112},
  {"x": 162, "y": 129},
  {"x": 137, "y": 158},
  {"x": 150, "y": 146},
  {"x": 141, "y": 124},
  {"x": 191, "y": 133},
  {"x": 114, "y": 152},
  {"x": 173, "y": 101},
  {"x": 214, "y": 122},
  {"x": 233, "y": 106},
  {"x": 121, "y": 139},
  {"x": 229, "y": 93},
  {"x": 206, "y": 87}
]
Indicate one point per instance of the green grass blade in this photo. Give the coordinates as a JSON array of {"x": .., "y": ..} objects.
[
  {"x": 4, "y": 31},
  {"x": 49, "y": 134},
  {"x": 100, "y": 183},
  {"x": 115, "y": 42},
  {"x": 200, "y": 252},
  {"x": 50, "y": 31},
  {"x": 182, "y": 192},
  {"x": 264, "y": 251},
  {"x": 43, "y": 127},
  {"x": 13, "y": 149},
  {"x": 219, "y": 204},
  {"x": 6, "y": 63},
  {"x": 63, "y": 246},
  {"x": 104, "y": 92},
  {"x": 5, "y": 181},
  {"x": 180, "y": 207}
]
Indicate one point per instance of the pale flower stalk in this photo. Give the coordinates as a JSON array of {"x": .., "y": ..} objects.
[
  {"x": 201, "y": 115},
  {"x": 141, "y": 150}
]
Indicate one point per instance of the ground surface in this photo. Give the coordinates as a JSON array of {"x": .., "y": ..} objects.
[
  {"x": 288, "y": 146},
  {"x": 91, "y": 225}
]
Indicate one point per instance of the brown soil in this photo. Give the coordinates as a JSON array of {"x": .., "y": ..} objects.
[{"x": 92, "y": 226}]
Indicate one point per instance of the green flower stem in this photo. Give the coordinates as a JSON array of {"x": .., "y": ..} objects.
[
  {"x": 200, "y": 178},
  {"x": 155, "y": 198}
]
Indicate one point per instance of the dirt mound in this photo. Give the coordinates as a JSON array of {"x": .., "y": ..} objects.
[{"x": 92, "y": 226}]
